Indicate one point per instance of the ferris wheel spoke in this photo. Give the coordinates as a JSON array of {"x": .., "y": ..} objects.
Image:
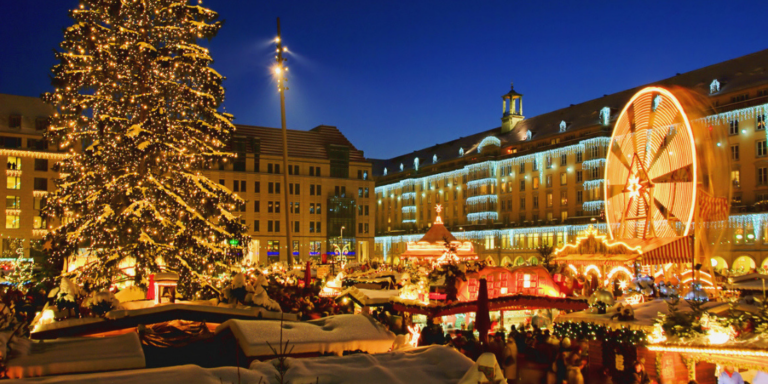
[
  {"x": 682, "y": 174},
  {"x": 662, "y": 148},
  {"x": 616, "y": 151}
]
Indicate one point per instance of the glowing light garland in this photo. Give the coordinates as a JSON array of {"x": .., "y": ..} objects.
[
  {"x": 593, "y": 206},
  {"x": 482, "y": 199},
  {"x": 488, "y": 180},
  {"x": 490, "y": 140},
  {"x": 593, "y": 184},
  {"x": 482, "y": 216},
  {"x": 719, "y": 351},
  {"x": 593, "y": 163}
]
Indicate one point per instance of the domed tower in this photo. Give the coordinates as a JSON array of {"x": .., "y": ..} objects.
[{"x": 512, "y": 107}]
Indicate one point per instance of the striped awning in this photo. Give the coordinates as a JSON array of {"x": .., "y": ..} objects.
[{"x": 678, "y": 251}]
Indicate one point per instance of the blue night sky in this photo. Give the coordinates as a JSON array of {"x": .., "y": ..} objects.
[{"x": 396, "y": 76}]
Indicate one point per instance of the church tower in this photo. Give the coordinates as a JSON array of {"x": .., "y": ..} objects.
[{"x": 512, "y": 107}]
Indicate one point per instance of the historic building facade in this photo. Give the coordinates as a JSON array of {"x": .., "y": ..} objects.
[
  {"x": 329, "y": 186},
  {"x": 536, "y": 182}
]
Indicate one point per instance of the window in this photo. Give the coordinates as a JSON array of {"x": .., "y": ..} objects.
[
  {"x": 317, "y": 171},
  {"x": 365, "y": 192},
  {"x": 762, "y": 176},
  {"x": 311, "y": 226},
  {"x": 595, "y": 173},
  {"x": 273, "y": 246},
  {"x": 39, "y": 203},
  {"x": 761, "y": 148},
  {"x": 522, "y": 185},
  {"x": 277, "y": 187},
  {"x": 735, "y": 152},
  {"x": 270, "y": 226},
  {"x": 271, "y": 187},
  {"x": 579, "y": 196},
  {"x": 277, "y": 225},
  {"x": 535, "y": 183},
  {"x": 223, "y": 182},
  {"x": 296, "y": 225},
  {"x": 14, "y": 163},
  {"x": 522, "y": 168},
  {"x": 360, "y": 174},
  {"x": 563, "y": 178},
  {"x": 277, "y": 207},
  {"x": 318, "y": 210},
  {"x": 270, "y": 207},
  {"x": 277, "y": 168},
  {"x": 367, "y": 211},
  {"x": 12, "y": 222},
  {"x": 256, "y": 206},
  {"x": 38, "y": 222},
  {"x": 563, "y": 159},
  {"x": 311, "y": 189},
  {"x": 296, "y": 205},
  {"x": 579, "y": 176},
  {"x": 549, "y": 161},
  {"x": 733, "y": 127},
  {"x": 12, "y": 202},
  {"x": 563, "y": 198},
  {"x": 360, "y": 227},
  {"x": 535, "y": 165},
  {"x": 535, "y": 202},
  {"x": 236, "y": 186},
  {"x": 735, "y": 178},
  {"x": 13, "y": 182},
  {"x": 579, "y": 157},
  {"x": 14, "y": 121},
  {"x": 339, "y": 156},
  {"x": 317, "y": 227},
  {"x": 270, "y": 168},
  {"x": 549, "y": 181},
  {"x": 563, "y": 216},
  {"x": 360, "y": 192},
  {"x": 549, "y": 200},
  {"x": 256, "y": 226},
  {"x": 311, "y": 208},
  {"x": 760, "y": 123},
  {"x": 41, "y": 124},
  {"x": 257, "y": 187},
  {"x": 522, "y": 203},
  {"x": 318, "y": 190}
]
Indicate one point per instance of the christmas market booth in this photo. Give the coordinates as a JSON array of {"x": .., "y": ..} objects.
[
  {"x": 674, "y": 341},
  {"x": 438, "y": 246},
  {"x": 603, "y": 261}
]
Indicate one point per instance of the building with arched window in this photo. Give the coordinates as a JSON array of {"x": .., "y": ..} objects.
[{"x": 535, "y": 182}]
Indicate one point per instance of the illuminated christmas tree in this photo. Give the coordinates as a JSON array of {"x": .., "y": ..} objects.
[{"x": 136, "y": 91}]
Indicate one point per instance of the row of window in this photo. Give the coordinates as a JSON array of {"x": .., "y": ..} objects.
[
  {"x": 761, "y": 150},
  {"x": 274, "y": 226},
  {"x": 733, "y": 125},
  {"x": 14, "y": 182},
  {"x": 14, "y": 121},
  {"x": 14, "y": 163}
]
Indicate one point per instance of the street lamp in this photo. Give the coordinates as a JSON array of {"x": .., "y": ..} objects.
[{"x": 280, "y": 70}]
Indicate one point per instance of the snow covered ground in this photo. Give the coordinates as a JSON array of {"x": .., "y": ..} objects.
[
  {"x": 433, "y": 364},
  {"x": 187, "y": 374},
  {"x": 78, "y": 355},
  {"x": 334, "y": 334},
  {"x": 428, "y": 365}
]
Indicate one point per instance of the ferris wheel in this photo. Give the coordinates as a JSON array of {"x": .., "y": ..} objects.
[{"x": 651, "y": 169}]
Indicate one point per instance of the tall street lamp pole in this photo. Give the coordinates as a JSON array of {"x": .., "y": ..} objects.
[{"x": 280, "y": 70}]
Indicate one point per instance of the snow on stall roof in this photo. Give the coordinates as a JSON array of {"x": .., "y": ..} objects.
[
  {"x": 187, "y": 374},
  {"x": 199, "y": 307},
  {"x": 66, "y": 356},
  {"x": 645, "y": 314},
  {"x": 434, "y": 364},
  {"x": 370, "y": 296},
  {"x": 334, "y": 334}
]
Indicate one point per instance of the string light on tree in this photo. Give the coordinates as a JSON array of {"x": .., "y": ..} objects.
[{"x": 133, "y": 86}]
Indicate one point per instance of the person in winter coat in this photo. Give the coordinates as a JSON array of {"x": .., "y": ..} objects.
[
  {"x": 510, "y": 361},
  {"x": 730, "y": 376},
  {"x": 638, "y": 374},
  {"x": 574, "y": 370}
]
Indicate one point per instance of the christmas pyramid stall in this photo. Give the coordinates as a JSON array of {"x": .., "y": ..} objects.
[{"x": 431, "y": 248}]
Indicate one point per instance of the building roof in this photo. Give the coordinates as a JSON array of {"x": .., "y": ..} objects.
[
  {"x": 735, "y": 74},
  {"x": 307, "y": 144},
  {"x": 438, "y": 234}
]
